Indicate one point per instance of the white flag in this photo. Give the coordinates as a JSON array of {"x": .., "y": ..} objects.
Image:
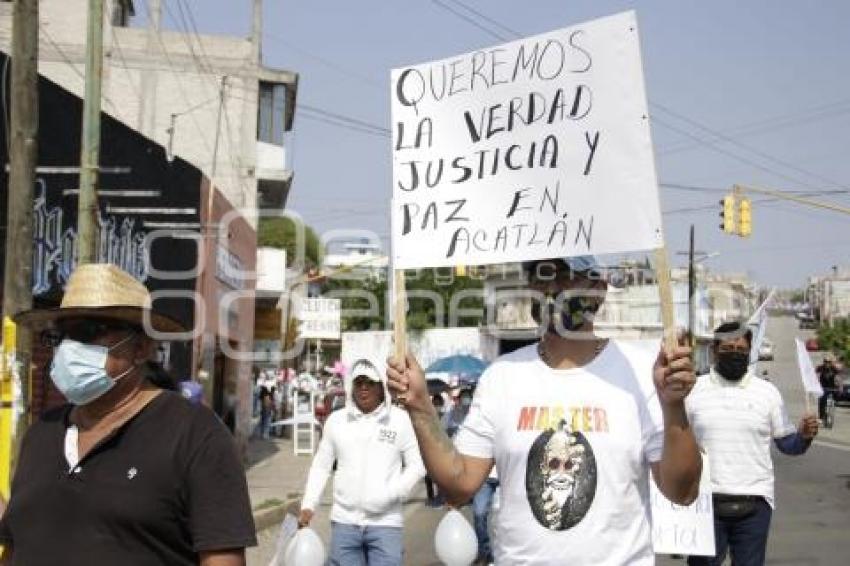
[
  {"x": 807, "y": 371},
  {"x": 758, "y": 325}
]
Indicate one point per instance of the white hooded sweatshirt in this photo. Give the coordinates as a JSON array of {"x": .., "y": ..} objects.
[{"x": 377, "y": 456}]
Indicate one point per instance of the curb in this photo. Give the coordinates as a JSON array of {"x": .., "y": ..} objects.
[{"x": 274, "y": 515}]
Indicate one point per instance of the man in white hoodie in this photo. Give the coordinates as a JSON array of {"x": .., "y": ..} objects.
[{"x": 378, "y": 463}]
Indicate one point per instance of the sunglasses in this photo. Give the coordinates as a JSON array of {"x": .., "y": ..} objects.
[{"x": 86, "y": 332}]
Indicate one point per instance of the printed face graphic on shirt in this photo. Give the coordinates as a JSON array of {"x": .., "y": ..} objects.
[{"x": 560, "y": 477}]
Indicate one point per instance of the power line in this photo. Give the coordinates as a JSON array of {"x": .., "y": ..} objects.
[
  {"x": 486, "y": 18},
  {"x": 714, "y": 147},
  {"x": 115, "y": 40},
  {"x": 470, "y": 20},
  {"x": 330, "y": 64},
  {"x": 742, "y": 145},
  {"x": 819, "y": 112},
  {"x": 477, "y": 24},
  {"x": 179, "y": 81},
  {"x": 71, "y": 64},
  {"x": 353, "y": 121},
  {"x": 343, "y": 125}
]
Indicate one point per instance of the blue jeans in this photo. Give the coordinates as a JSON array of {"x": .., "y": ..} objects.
[
  {"x": 352, "y": 545},
  {"x": 746, "y": 538},
  {"x": 480, "y": 510}
]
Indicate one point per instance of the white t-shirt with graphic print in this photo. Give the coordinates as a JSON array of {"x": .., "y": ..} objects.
[{"x": 572, "y": 449}]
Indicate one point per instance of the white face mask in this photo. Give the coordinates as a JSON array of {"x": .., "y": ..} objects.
[{"x": 78, "y": 370}]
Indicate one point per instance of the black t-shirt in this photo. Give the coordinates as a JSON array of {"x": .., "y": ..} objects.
[
  {"x": 165, "y": 486},
  {"x": 827, "y": 375}
]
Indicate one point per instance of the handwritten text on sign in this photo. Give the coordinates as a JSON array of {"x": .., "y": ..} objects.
[
  {"x": 536, "y": 148},
  {"x": 319, "y": 318},
  {"x": 678, "y": 529}
]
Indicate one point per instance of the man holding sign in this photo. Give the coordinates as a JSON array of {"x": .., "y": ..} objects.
[
  {"x": 735, "y": 415},
  {"x": 573, "y": 424},
  {"x": 539, "y": 149}
]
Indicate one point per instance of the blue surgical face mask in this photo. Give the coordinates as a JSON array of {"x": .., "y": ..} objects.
[{"x": 79, "y": 370}]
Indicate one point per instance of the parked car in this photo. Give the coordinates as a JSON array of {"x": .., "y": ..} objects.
[
  {"x": 766, "y": 350},
  {"x": 812, "y": 345},
  {"x": 808, "y": 322}
]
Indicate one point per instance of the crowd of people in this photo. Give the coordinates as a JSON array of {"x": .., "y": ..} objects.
[{"x": 569, "y": 430}]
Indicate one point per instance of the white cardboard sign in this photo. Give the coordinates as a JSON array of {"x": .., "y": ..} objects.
[
  {"x": 532, "y": 149},
  {"x": 678, "y": 529},
  {"x": 319, "y": 318}
]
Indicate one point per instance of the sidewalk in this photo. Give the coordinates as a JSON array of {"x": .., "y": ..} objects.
[{"x": 276, "y": 479}]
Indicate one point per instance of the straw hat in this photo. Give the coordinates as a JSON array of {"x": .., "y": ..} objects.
[{"x": 101, "y": 290}]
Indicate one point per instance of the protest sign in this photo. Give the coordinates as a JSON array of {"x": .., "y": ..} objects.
[
  {"x": 536, "y": 148},
  {"x": 319, "y": 318},
  {"x": 684, "y": 529}
]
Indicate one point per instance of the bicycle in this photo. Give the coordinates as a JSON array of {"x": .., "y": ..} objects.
[{"x": 829, "y": 408}]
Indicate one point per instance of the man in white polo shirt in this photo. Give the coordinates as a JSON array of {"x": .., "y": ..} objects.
[{"x": 735, "y": 415}]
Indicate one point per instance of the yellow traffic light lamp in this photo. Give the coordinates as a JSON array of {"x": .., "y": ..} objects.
[
  {"x": 745, "y": 214},
  {"x": 727, "y": 213}
]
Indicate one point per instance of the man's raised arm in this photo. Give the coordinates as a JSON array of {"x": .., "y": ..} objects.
[{"x": 459, "y": 476}]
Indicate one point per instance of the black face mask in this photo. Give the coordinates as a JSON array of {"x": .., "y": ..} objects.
[
  {"x": 574, "y": 313},
  {"x": 732, "y": 365}
]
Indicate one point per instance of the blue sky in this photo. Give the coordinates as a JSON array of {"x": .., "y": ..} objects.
[{"x": 751, "y": 92}]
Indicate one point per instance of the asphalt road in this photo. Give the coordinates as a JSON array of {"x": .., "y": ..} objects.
[{"x": 811, "y": 525}]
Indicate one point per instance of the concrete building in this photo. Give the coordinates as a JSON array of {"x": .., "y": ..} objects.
[
  {"x": 184, "y": 97},
  {"x": 362, "y": 258},
  {"x": 632, "y": 309},
  {"x": 829, "y": 295},
  {"x": 205, "y": 98}
]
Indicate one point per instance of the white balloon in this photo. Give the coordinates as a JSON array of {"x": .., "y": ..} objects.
[
  {"x": 305, "y": 549},
  {"x": 455, "y": 540}
]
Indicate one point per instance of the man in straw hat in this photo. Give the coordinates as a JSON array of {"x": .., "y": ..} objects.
[{"x": 126, "y": 473}]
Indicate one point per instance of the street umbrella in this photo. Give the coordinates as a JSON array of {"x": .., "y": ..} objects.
[{"x": 465, "y": 367}]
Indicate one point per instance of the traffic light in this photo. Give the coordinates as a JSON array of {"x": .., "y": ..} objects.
[
  {"x": 727, "y": 213},
  {"x": 745, "y": 217}
]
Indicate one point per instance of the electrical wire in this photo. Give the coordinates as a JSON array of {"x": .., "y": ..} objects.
[
  {"x": 120, "y": 51},
  {"x": 477, "y": 23},
  {"x": 735, "y": 156},
  {"x": 486, "y": 18},
  {"x": 820, "y": 112},
  {"x": 470, "y": 20},
  {"x": 327, "y": 63},
  {"x": 346, "y": 119},
  {"x": 741, "y": 145},
  {"x": 71, "y": 64}
]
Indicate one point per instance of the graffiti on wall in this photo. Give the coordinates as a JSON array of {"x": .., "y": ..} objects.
[{"x": 55, "y": 245}]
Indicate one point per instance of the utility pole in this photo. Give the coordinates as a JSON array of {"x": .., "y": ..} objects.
[
  {"x": 17, "y": 277},
  {"x": 87, "y": 212},
  {"x": 257, "y": 32}
]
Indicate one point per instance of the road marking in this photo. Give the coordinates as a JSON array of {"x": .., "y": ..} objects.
[{"x": 835, "y": 445}]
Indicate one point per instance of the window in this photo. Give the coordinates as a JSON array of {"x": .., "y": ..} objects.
[
  {"x": 121, "y": 12},
  {"x": 271, "y": 113}
]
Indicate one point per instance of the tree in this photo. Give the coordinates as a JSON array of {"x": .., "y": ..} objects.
[
  {"x": 424, "y": 313},
  {"x": 835, "y": 337},
  {"x": 282, "y": 233}
]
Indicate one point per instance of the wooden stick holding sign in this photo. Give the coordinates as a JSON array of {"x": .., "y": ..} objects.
[
  {"x": 665, "y": 291},
  {"x": 399, "y": 318}
]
